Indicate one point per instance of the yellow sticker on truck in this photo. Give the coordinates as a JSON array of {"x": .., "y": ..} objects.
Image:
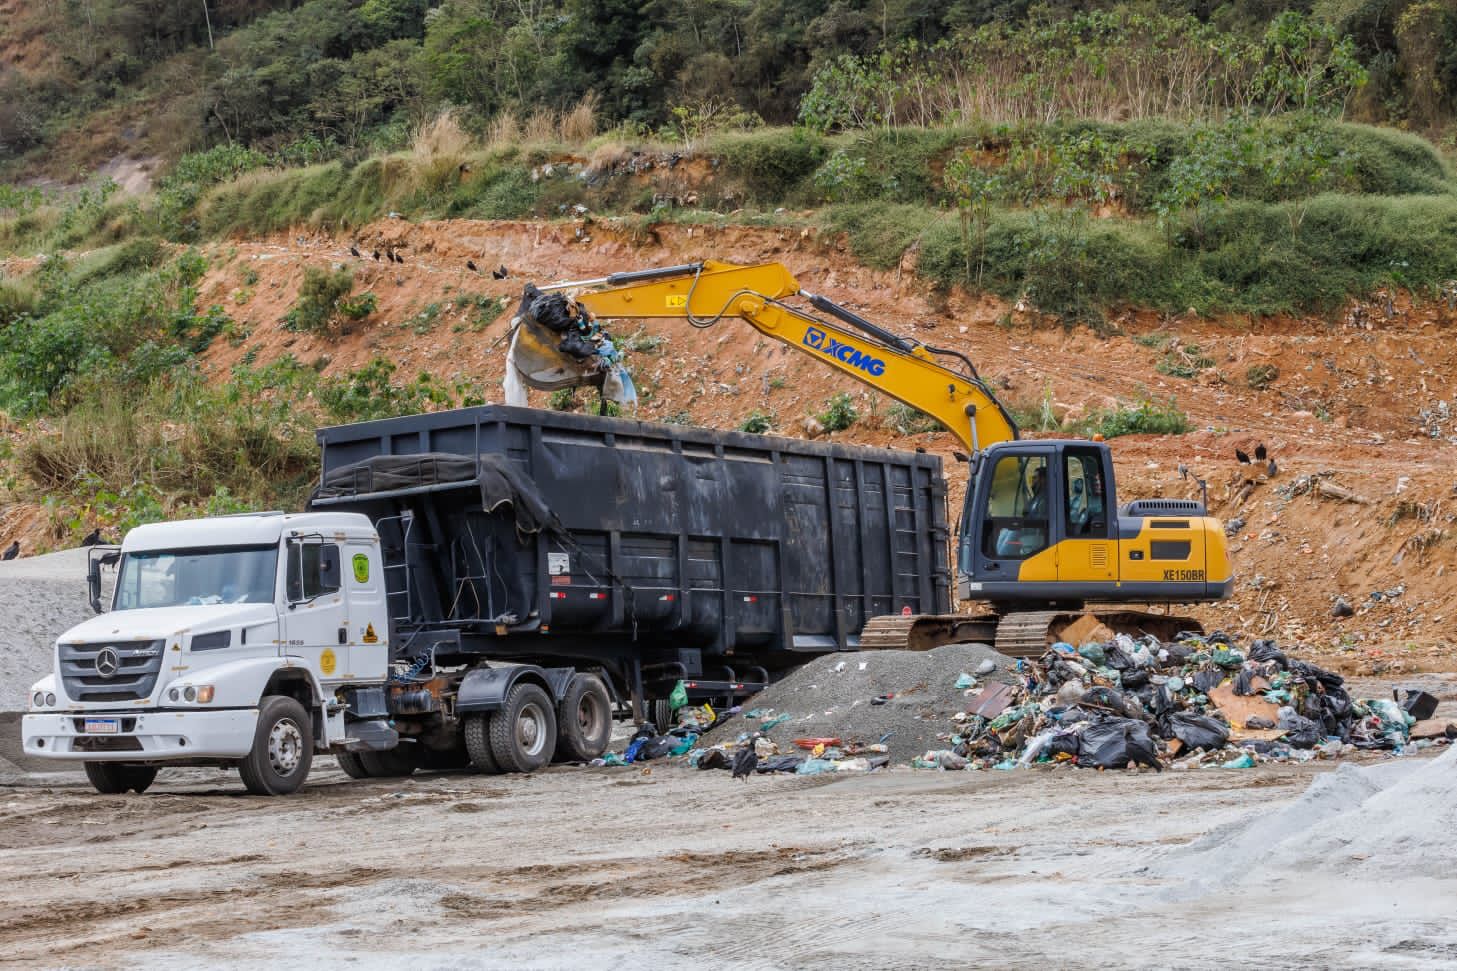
[
  {"x": 361, "y": 568},
  {"x": 327, "y": 661}
]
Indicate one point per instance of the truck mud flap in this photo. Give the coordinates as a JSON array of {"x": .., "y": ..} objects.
[
  {"x": 371, "y": 736},
  {"x": 485, "y": 689}
]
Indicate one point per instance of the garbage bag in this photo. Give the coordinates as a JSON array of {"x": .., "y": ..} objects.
[
  {"x": 656, "y": 748},
  {"x": 1207, "y": 681},
  {"x": 1101, "y": 697},
  {"x": 1300, "y": 732},
  {"x": 1094, "y": 653},
  {"x": 1264, "y": 650},
  {"x": 715, "y": 758},
  {"x": 1199, "y": 731},
  {"x": 779, "y": 763},
  {"x": 1244, "y": 682},
  {"x": 1115, "y": 742},
  {"x": 678, "y": 697}
]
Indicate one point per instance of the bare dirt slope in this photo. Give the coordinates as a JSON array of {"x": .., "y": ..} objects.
[
  {"x": 661, "y": 867},
  {"x": 1347, "y": 405}
]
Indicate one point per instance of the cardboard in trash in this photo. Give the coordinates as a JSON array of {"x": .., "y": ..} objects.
[
  {"x": 1430, "y": 728},
  {"x": 992, "y": 700},
  {"x": 1238, "y": 709}
]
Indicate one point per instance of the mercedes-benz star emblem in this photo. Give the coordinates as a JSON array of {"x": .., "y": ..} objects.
[{"x": 107, "y": 663}]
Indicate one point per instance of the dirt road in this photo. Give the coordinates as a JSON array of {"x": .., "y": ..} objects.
[{"x": 629, "y": 868}]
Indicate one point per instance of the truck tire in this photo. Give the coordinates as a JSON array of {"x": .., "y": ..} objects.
[
  {"x": 391, "y": 763},
  {"x": 113, "y": 778},
  {"x": 583, "y": 720},
  {"x": 283, "y": 748},
  {"x": 662, "y": 714},
  {"x": 352, "y": 765},
  {"x": 523, "y": 732},
  {"x": 478, "y": 743}
]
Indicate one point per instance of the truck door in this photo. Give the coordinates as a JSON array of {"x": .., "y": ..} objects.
[
  {"x": 368, "y": 618},
  {"x": 1088, "y": 553},
  {"x": 314, "y": 621}
]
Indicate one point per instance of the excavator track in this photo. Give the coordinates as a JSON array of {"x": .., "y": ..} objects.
[{"x": 1023, "y": 633}]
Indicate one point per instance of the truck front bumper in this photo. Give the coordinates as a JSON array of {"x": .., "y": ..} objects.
[{"x": 144, "y": 736}]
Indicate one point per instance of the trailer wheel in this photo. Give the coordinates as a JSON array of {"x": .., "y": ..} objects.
[
  {"x": 111, "y": 778},
  {"x": 523, "y": 732},
  {"x": 352, "y": 765},
  {"x": 478, "y": 743},
  {"x": 283, "y": 748},
  {"x": 391, "y": 763},
  {"x": 584, "y": 720}
]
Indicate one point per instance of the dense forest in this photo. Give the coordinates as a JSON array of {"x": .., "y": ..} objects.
[{"x": 325, "y": 78}]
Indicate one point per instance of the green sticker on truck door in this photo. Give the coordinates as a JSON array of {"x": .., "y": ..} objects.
[{"x": 361, "y": 568}]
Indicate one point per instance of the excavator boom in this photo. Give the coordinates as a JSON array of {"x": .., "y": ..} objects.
[{"x": 908, "y": 371}]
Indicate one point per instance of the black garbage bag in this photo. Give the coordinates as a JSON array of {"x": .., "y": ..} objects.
[
  {"x": 1264, "y": 650},
  {"x": 1207, "y": 681},
  {"x": 1178, "y": 653},
  {"x": 1135, "y": 677},
  {"x": 1115, "y": 742},
  {"x": 779, "y": 763},
  {"x": 1199, "y": 731},
  {"x": 1244, "y": 682},
  {"x": 1105, "y": 698},
  {"x": 1063, "y": 743},
  {"x": 1116, "y": 658},
  {"x": 1300, "y": 732},
  {"x": 656, "y": 748},
  {"x": 1312, "y": 674}
]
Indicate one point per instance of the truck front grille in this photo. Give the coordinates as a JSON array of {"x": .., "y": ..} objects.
[{"x": 118, "y": 671}]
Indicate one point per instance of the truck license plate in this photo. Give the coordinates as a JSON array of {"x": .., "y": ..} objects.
[{"x": 103, "y": 726}]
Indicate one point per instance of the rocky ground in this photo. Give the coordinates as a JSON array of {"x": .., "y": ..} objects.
[{"x": 1283, "y": 866}]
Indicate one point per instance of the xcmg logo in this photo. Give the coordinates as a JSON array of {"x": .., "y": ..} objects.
[{"x": 828, "y": 346}]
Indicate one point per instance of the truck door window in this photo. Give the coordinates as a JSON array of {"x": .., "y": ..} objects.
[
  {"x": 1086, "y": 506},
  {"x": 1015, "y": 526},
  {"x": 313, "y": 570}
]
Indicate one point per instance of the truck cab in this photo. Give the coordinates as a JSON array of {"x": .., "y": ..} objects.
[{"x": 226, "y": 642}]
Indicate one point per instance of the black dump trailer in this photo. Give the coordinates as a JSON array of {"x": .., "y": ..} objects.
[{"x": 650, "y": 552}]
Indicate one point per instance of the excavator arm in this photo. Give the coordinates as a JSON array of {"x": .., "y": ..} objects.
[{"x": 908, "y": 371}]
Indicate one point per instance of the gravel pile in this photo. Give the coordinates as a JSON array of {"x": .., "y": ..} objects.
[
  {"x": 831, "y": 697},
  {"x": 40, "y": 596}
]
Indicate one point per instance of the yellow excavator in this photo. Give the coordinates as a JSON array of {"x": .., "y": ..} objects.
[{"x": 1042, "y": 541}]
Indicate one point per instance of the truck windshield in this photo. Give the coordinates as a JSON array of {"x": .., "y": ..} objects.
[{"x": 175, "y": 578}]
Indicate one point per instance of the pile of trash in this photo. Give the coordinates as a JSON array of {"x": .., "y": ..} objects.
[{"x": 1199, "y": 701}]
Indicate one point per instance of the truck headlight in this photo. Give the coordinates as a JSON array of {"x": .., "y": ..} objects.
[
  {"x": 189, "y": 693},
  {"x": 50, "y": 700},
  {"x": 38, "y": 699}
]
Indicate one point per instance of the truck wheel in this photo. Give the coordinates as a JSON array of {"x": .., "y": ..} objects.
[
  {"x": 662, "y": 715},
  {"x": 523, "y": 732},
  {"x": 352, "y": 765},
  {"x": 283, "y": 748},
  {"x": 478, "y": 743},
  {"x": 111, "y": 778},
  {"x": 584, "y": 720},
  {"x": 391, "y": 763}
]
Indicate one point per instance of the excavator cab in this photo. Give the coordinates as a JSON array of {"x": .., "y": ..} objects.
[{"x": 1042, "y": 525}]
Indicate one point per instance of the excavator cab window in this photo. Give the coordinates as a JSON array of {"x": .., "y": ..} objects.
[
  {"x": 1087, "y": 506},
  {"x": 1016, "y": 522}
]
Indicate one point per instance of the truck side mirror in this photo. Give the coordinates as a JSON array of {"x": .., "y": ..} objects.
[{"x": 97, "y": 557}]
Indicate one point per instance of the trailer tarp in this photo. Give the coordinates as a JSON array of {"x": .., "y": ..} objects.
[{"x": 500, "y": 482}]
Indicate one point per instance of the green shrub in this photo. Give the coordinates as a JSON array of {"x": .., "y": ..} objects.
[
  {"x": 839, "y": 414},
  {"x": 563, "y": 399},
  {"x": 775, "y": 165},
  {"x": 319, "y": 297},
  {"x": 358, "y": 307},
  {"x": 1184, "y": 362},
  {"x": 758, "y": 423},
  {"x": 1261, "y": 376},
  {"x": 1147, "y": 417},
  {"x": 906, "y": 420},
  {"x": 880, "y": 233}
]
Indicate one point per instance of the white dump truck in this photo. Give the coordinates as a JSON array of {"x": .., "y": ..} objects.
[{"x": 484, "y": 587}]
